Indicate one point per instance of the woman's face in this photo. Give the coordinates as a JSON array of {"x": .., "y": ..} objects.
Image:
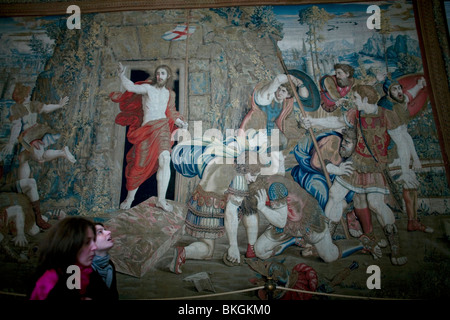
[
  {"x": 87, "y": 251},
  {"x": 104, "y": 241}
]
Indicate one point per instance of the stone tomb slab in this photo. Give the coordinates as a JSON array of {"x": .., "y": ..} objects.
[{"x": 143, "y": 234}]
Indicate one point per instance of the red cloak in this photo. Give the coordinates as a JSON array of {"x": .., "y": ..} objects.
[{"x": 148, "y": 140}]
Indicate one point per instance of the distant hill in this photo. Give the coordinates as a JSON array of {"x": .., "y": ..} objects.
[{"x": 395, "y": 46}]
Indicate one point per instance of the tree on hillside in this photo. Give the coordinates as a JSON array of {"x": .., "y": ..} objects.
[
  {"x": 315, "y": 18},
  {"x": 385, "y": 30}
]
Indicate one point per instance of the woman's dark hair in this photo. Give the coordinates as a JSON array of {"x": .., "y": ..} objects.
[{"x": 62, "y": 243}]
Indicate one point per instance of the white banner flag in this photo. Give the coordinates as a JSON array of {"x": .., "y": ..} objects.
[{"x": 179, "y": 33}]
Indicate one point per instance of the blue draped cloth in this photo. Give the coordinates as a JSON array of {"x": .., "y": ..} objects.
[
  {"x": 192, "y": 157},
  {"x": 309, "y": 178}
]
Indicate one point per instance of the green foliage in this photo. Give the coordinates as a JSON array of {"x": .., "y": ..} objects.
[
  {"x": 40, "y": 48},
  {"x": 314, "y": 16},
  {"x": 263, "y": 18},
  {"x": 408, "y": 64}
]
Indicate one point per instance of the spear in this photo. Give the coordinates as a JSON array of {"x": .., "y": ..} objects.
[
  {"x": 311, "y": 133},
  {"x": 180, "y": 178}
]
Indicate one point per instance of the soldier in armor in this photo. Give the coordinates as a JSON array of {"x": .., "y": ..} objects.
[
  {"x": 296, "y": 218},
  {"x": 399, "y": 100},
  {"x": 213, "y": 209},
  {"x": 375, "y": 127},
  {"x": 335, "y": 90}
]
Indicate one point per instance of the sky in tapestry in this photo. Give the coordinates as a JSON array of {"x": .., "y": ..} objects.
[{"x": 346, "y": 38}]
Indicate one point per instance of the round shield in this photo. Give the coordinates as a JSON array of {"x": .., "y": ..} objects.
[
  {"x": 417, "y": 104},
  {"x": 312, "y": 102}
]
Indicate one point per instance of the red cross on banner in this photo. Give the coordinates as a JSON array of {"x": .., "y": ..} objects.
[{"x": 179, "y": 33}]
